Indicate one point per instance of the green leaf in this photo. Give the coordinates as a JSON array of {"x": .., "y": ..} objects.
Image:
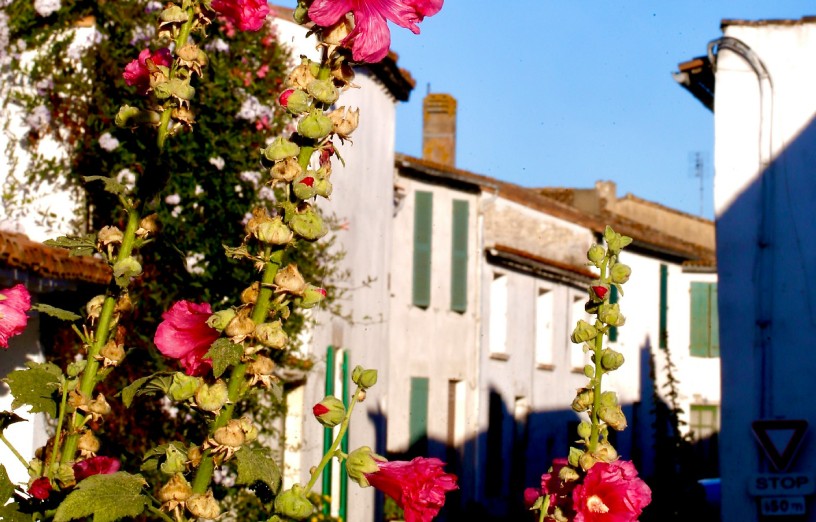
[
  {"x": 106, "y": 497},
  {"x": 10, "y": 514},
  {"x": 78, "y": 245},
  {"x": 224, "y": 354},
  {"x": 157, "y": 383},
  {"x": 7, "y": 418},
  {"x": 35, "y": 387},
  {"x": 111, "y": 185},
  {"x": 240, "y": 252},
  {"x": 256, "y": 464},
  {"x": 6, "y": 487},
  {"x": 53, "y": 311}
]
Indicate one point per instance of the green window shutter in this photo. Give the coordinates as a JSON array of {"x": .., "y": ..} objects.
[
  {"x": 613, "y": 299},
  {"x": 663, "y": 334},
  {"x": 459, "y": 259},
  {"x": 700, "y": 314},
  {"x": 423, "y": 233},
  {"x": 714, "y": 331},
  {"x": 418, "y": 414}
]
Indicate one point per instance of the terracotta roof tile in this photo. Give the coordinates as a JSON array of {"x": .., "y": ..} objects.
[{"x": 18, "y": 251}]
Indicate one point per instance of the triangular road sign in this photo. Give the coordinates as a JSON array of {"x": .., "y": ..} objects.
[{"x": 780, "y": 439}]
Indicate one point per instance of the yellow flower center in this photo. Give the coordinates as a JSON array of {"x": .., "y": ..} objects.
[{"x": 596, "y": 505}]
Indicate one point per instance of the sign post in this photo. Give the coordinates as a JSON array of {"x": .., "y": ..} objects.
[{"x": 780, "y": 493}]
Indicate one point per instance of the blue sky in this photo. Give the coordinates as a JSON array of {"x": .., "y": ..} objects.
[{"x": 564, "y": 93}]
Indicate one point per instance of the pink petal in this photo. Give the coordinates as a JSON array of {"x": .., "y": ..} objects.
[
  {"x": 327, "y": 12},
  {"x": 13, "y": 308},
  {"x": 371, "y": 37}
]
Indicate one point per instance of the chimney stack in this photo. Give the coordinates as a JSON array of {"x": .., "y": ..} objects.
[{"x": 439, "y": 129}]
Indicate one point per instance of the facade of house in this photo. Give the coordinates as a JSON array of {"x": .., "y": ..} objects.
[{"x": 760, "y": 82}]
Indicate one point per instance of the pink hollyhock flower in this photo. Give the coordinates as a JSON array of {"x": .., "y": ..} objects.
[
  {"x": 418, "y": 486},
  {"x": 611, "y": 492},
  {"x": 14, "y": 303},
  {"x": 530, "y": 496},
  {"x": 185, "y": 335},
  {"x": 370, "y": 38},
  {"x": 95, "y": 466},
  {"x": 559, "y": 491},
  {"x": 248, "y": 15},
  {"x": 137, "y": 72},
  {"x": 40, "y": 488}
]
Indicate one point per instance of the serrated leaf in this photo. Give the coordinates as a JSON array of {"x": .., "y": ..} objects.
[
  {"x": 6, "y": 486},
  {"x": 78, "y": 245},
  {"x": 240, "y": 252},
  {"x": 224, "y": 354},
  {"x": 106, "y": 497},
  {"x": 53, "y": 311},
  {"x": 158, "y": 382},
  {"x": 7, "y": 418},
  {"x": 111, "y": 185},
  {"x": 36, "y": 386},
  {"x": 10, "y": 514},
  {"x": 256, "y": 464}
]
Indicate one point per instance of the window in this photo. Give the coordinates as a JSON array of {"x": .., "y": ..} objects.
[
  {"x": 423, "y": 234},
  {"x": 494, "y": 465},
  {"x": 704, "y": 421},
  {"x": 578, "y": 359},
  {"x": 459, "y": 255},
  {"x": 543, "y": 328},
  {"x": 705, "y": 322},
  {"x": 498, "y": 314},
  {"x": 663, "y": 333},
  {"x": 418, "y": 416}
]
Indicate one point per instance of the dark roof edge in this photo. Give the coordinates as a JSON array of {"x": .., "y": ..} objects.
[{"x": 551, "y": 268}]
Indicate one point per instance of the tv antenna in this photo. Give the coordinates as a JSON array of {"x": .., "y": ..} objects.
[{"x": 697, "y": 167}]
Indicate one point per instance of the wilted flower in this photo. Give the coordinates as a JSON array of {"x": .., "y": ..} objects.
[
  {"x": 14, "y": 303},
  {"x": 248, "y": 15},
  {"x": 185, "y": 335},
  {"x": 370, "y": 38},
  {"x": 95, "y": 466},
  {"x": 611, "y": 492},
  {"x": 40, "y": 488},
  {"x": 137, "y": 72}
]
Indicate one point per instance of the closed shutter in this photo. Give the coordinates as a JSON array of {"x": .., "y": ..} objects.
[
  {"x": 459, "y": 259},
  {"x": 700, "y": 314},
  {"x": 663, "y": 333},
  {"x": 423, "y": 234},
  {"x": 714, "y": 330},
  {"x": 418, "y": 415}
]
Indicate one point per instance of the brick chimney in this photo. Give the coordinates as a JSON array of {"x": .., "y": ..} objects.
[{"x": 439, "y": 129}]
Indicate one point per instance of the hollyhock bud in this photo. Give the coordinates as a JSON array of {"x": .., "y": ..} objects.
[
  {"x": 296, "y": 101},
  {"x": 293, "y": 503},
  {"x": 183, "y": 386},
  {"x": 112, "y": 353},
  {"x": 614, "y": 241},
  {"x": 599, "y": 291},
  {"x": 173, "y": 14},
  {"x": 613, "y": 416},
  {"x": 259, "y": 217},
  {"x": 261, "y": 365},
  {"x": 149, "y": 226},
  {"x": 302, "y": 75},
  {"x": 175, "y": 461},
  {"x": 364, "y": 378},
  {"x": 220, "y": 319},
  {"x": 271, "y": 335},
  {"x": 609, "y": 398},
  {"x": 586, "y": 461},
  {"x": 360, "y": 463},
  {"x": 94, "y": 307},
  {"x": 589, "y": 371},
  {"x": 323, "y": 91},
  {"x": 99, "y": 406},
  {"x": 329, "y": 412},
  {"x": 610, "y": 314},
  {"x": 574, "y": 457},
  {"x": 583, "y": 332},
  {"x": 323, "y": 187},
  {"x": 606, "y": 452},
  {"x": 568, "y": 474},
  {"x": 127, "y": 268},
  {"x": 315, "y": 125},
  {"x": 241, "y": 325},
  {"x": 312, "y": 296},
  {"x": 203, "y": 506},
  {"x": 303, "y": 187},
  {"x": 286, "y": 170},
  {"x": 301, "y": 14},
  {"x": 584, "y": 430},
  {"x": 280, "y": 149},
  {"x": 583, "y": 400},
  {"x": 308, "y": 224},
  {"x": 177, "y": 489},
  {"x": 212, "y": 397},
  {"x": 40, "y": 488},
  {"x": 14, "y": 303},
  {"x": 620, "y": 273},
  {"x": 275, "y": 232},
  {"x": 288, "y": 279},
  {"x": 611, "y": 360},
  {"x": 88, "y": 443},
  {"x": 344, "y": 121},
  {"x": 596, "y": 254},
  {"x": 250, "y": 430},
  {"x": 109, "y": 235},
  {"x": 250, "y": 294},
  {"x": 190, "y": 55}
]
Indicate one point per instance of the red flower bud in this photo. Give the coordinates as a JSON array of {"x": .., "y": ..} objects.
[
  {"x": 319, "y": 410},
  {"x": 308, "y": 181},
  {"x": 283, "y": 99},
  {"x": 600, "y": 291},
  {"x": 40, "y": 488}
]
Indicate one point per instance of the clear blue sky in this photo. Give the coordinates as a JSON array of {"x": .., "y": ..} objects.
[{"x": 564, "y": 93}]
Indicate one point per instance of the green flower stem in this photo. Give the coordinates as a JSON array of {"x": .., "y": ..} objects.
[
  {"x": 103, "y": 328},
  {"x": 50, "y": 469},
  {"x": 336, "y": 444},
  {"x": 235, "y": 383},
  {"x": 164, "y": 125},
  {"x": 161, "y": 514},
  {"x": 599, "y": 373},
  {"x": 13, "y": 450},
  {"x": 184, "y": 34}
]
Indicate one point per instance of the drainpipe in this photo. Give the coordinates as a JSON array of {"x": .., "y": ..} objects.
[{"x": 764, "y": 267}]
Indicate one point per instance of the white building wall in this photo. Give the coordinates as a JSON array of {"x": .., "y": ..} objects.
[{"x": 765, "y": 149}]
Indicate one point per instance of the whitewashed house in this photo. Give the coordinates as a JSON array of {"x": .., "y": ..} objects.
[{"x": 759, "y": 79}]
